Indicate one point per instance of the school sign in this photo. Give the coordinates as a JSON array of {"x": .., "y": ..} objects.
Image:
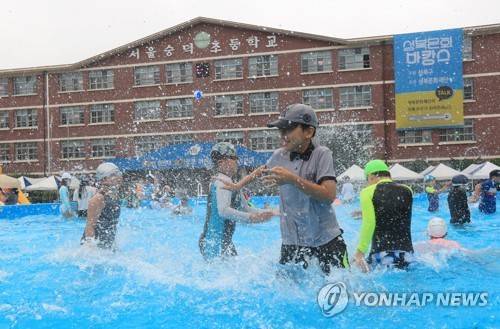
[{"x": 429, "y": 79}]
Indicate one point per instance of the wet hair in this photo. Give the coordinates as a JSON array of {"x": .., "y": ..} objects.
[
  {"x": 495, "y": 173},
  {"x": 381, "y": 174}
]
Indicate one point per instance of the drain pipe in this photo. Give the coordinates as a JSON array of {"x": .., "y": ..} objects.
[{"x": 48, "y": 125}]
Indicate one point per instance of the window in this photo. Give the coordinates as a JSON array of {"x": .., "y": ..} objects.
[
  {"x": 233, "y": 137},
  {"x": 229, "y": 69},
  {"x": 229, "y": 105},
  {"x": 467, "y": 48},
  {"x": 147, "y": 75},
  {"x": 180, "y": 108},
  {"x": 264, "y": 140},
  {"x": 25, "y": 85},
  {"x": 356, "y": 96},
  {"x": 264, "y": 102},
  {"x": 318, "y": 61},
  {"x": 146, "y": 144},
  {"x": 72, "y": 81},
  {"x": 262, "y": 66},
  {"x": 102, "y": 113},
  {"x": 148, "y": 110},
  {"x": 318, "y": 98},
  {"x": 103, "y": 148},
  {"x": 26, "y": 151},
  {"x": 103, "y": 79},
  {"x": 4, "y": 87},
  {"x": 4, "y": 152},
  {"x": 202, "y": 70},
  {"x": 468, "y": 88},
  {"x": 356, "y": 58},
  {"x": 74, "y": 149},
  {"x": 179, "y": 139},
  {"x": 179, "y": 72},
  {"x": 414, "y": 136},
  {"x": 4, "y": 119},
  {"x": 26, "y": 118},
  {"x": 72, "y": 115},
  {"x": 465, "y": 133}
]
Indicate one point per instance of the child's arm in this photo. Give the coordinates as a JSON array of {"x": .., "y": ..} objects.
[
  {"x": 226, "y": 211},
  {"x": 244, "y": 181}
]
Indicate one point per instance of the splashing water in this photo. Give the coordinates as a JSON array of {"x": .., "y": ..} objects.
[{"x": 157, "y": 278}]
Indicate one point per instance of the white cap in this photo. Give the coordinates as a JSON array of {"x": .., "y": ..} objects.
[
  {"x": 65, "y": 175},
  {"x": 437, "y": 227},
  {"x": 107, "y": 169}
]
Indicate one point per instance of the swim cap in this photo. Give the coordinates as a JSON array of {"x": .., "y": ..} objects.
[
  {"x": 375, "y": 166},
  {"x": 459, "y": 180},
  {"x": 428, "y": 178},
  {"x": 223, "y": 150},
  {"x": 107, "y": 169},
  {"x": 437, "y": 227}
]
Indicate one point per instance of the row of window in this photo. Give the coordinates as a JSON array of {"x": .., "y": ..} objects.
[
  {"x": 267, "y": 102},
  {"x": 465, "y": 133},
  {"x": 261, "y": 140},
  {"x": 353, "y": 96}
]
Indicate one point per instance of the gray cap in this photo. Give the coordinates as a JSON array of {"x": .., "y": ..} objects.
[{"x": 296, "y": 113}]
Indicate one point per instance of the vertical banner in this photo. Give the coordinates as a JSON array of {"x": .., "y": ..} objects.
[{"x": 429, "y": 79}]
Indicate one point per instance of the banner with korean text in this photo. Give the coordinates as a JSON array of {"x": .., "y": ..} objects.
[{"x": 429, "y": 79}]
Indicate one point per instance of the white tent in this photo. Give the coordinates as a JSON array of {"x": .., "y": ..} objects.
[
  {"x": 427, "y": 170},
  {"x": 470, "y": 169},
  {"x": 443, "y": 172},
  {"x": 398, "y": 172},
  {"x": 483, "y": 172},
  {"x": 47, "y": 184},
  {"x": 22, "y": 180},
  {"x": 355, "y": 173}
]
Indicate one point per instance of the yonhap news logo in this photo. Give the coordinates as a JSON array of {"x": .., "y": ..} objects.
[{"x": 333, "y": 298}]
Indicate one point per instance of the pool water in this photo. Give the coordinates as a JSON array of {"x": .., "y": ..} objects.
[{"x": 157, "y": 278}]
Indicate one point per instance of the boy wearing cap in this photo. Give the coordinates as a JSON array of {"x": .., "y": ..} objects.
[
  {"x": 386, "y": 220},
  {"x": 304, "y": 172},
  {"x": 104, "y": 207},
  {"x": 225, "y": 207},
  {"x": 457, "y": 200}
]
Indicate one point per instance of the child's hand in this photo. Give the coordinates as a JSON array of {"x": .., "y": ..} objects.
[
  {"x": 278, "y": 176},
  {"x": 260, "y": 217}
]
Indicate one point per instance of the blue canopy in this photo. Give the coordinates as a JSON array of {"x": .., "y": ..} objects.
[{"x": 187, "y": 156}]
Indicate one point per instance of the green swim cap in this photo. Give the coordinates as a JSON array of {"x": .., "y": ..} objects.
[{"x": 375, "y": 166}]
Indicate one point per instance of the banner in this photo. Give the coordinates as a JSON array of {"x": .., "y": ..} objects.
[{"x": 429, "y": 79}]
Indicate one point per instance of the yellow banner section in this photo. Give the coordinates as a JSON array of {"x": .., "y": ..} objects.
[{"x": 426, "y": 110}]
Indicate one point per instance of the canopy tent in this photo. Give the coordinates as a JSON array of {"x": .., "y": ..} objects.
[
  {"x": 48, "y": 184},
  {"x": 9, "y": 182},
  {"x": 443, "y": 172},
  {"x": 398, "y": 172},
  {"x": 27, "y": 181},
  {"x": 427, "y": 170},
  {"x": 483, "y": 171},
  {"x": 187, "y": 156},
  {"x": 470, "y": 169},
  {"x": 354, "y": 172}
]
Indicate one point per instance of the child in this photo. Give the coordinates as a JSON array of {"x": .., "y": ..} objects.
[
  {"x": 437, "y": 231},
  {"x": 457, "y": 201},
  {"x": 225, "y": 207}
]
